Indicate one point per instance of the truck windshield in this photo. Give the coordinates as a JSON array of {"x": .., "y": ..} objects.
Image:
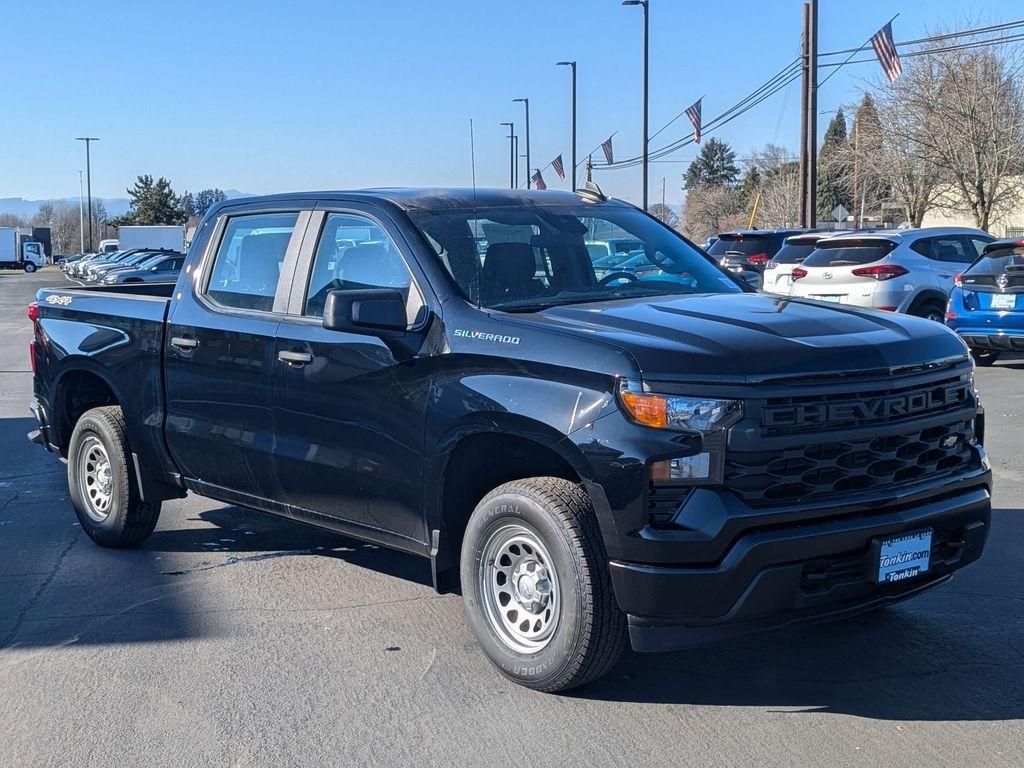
[{"x": 524, "y": 259}]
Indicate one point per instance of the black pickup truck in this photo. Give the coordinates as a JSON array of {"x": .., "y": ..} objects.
[{"x": 662, "y": 456}]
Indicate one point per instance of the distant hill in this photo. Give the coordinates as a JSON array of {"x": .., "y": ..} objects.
[
  {"x": 19, "y": 206},
  {"x": 116, "y": 206}
]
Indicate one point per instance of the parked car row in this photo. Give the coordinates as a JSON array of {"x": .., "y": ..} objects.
[
  {"x": 963, "y": 277},
  {"x": 137, "y": 265}
]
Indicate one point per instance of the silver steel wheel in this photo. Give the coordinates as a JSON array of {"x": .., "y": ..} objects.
[
  {"x": 519, "y": 588},
  {"x": 95, "y": 478}
]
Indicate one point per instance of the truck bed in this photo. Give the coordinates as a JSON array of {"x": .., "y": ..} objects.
[{"x": 108, "y": 334}]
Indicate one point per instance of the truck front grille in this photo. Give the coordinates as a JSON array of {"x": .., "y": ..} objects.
[
  {"x": 830, "y": 469},
  {"x": 875, "y": 404}
]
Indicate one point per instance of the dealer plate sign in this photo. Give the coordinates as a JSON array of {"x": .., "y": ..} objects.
[{"x": 904, "y": 557}]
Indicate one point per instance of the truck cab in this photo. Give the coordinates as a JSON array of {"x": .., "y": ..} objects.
[{"x": 19, "y": 251}]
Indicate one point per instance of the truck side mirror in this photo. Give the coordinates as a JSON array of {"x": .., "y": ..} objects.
[{"x": 370, "y": 311}]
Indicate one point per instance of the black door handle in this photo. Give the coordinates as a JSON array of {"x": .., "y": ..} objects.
[
  {"x": 294, "y": 358},
  {"x": 184, "y": 342}
]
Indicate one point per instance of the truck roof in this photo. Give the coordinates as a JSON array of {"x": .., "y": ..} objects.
[{"x": 433, "y": 198}]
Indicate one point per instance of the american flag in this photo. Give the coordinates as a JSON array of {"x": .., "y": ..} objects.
[
  {"x": 885, "y": 50},
  {"x": 606, "y": 145},
  {"x": 538, "y": 181},
  {"x": 559, "y": 168},
  {"x": 693, "y": 112}
]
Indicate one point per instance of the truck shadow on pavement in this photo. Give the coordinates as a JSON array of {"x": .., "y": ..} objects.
[{"x": 241, "y": 536}]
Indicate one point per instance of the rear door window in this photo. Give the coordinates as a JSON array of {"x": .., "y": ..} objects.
[
  {"x": 247, "y": 267},
  {"x": 848, "y": 253},
  {"x": 952, "y": 250}
]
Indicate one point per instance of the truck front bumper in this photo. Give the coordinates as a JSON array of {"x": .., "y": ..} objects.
[{"x": 799, "y": 572}]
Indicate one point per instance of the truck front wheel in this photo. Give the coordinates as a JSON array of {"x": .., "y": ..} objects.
[
  {"x": 536, "y": 585},
  {"x": 30, "y": 267},
  {"x": 102, "y": 483}
]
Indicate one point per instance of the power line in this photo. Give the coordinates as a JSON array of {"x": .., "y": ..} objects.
[{"x": 774, "y": 85}]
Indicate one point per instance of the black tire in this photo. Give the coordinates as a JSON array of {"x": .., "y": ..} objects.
[
  {"x": 589, "y": 632},
  {"x": 124, "y": 520},
  {"x": 931, "y": 310},
  {"x": 985, "y": 357},
  {"x": 30, "y": 267}
]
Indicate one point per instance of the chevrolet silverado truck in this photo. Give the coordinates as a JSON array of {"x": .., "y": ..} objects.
[{"x": 661, "y": 457}]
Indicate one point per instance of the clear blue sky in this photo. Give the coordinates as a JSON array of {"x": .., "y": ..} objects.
[{"x": 273, "y": 96}]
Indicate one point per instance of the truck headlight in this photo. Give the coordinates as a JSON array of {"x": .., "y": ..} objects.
[{"x": 700, "y": 414}]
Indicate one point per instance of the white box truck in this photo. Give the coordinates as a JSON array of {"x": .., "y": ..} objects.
[
  {"x": 170, "y": 237},
  {"x": 19, "y": 251}
]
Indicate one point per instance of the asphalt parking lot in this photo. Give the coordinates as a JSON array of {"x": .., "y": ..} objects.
[{"x": 232, "y": 638}]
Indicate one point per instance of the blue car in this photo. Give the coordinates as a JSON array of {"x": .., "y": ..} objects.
[{"x": 987, "y": 304}]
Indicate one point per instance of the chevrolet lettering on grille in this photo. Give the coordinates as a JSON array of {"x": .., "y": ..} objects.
[{"x": 870, "y": 409}]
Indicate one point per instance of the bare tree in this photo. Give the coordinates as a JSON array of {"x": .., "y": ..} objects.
[
  {"x": 961, "y": 112},
  {"x": 778, "y": 188},
  {"x": 710, "y": 209},
  {"x": 665, "y": 215}
]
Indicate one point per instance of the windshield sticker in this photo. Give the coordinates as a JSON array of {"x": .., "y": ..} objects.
[{"x": 481, "y": 336}]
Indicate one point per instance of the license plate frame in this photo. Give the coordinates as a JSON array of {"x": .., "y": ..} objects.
[
  {"x": 833, "y": 298},
  {"x": 1004, "y": 301},
  {"x": 902, "y": 557}
]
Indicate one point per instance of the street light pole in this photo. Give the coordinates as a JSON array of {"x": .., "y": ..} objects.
[
  {"x": 647, "y": 30},
  {"x": 81, "y": 214},
  {"x": 573, "y": 172},
  {"x": 515, "y": 162},
  {"x": 88, "y": 179},
  {"x": 526, "y": 102},
  {"x": 512, "y": 155}
]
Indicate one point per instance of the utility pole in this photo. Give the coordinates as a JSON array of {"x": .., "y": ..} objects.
[
  {"x": 511, "y": 156},
  {"x": 647, "y": 29},
  {"x": 573, "y": 163},
  {"x": 812, "y": 116},
  {"x": 88, "y": 179},
  {"x": 528, "y": 166},
  {"x": 81, "y": 214},
  {"x": 804, "y": 79}
]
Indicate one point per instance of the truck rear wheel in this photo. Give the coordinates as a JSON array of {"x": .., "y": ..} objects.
[
  {"x": 102, "y": 482},
  {"x": 536, "y": 585}
]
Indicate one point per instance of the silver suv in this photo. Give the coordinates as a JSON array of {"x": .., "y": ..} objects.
[{"x": 900, "y": 270}]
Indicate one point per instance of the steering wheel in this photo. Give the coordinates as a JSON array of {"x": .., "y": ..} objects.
[{"x": 616, "y": 276}]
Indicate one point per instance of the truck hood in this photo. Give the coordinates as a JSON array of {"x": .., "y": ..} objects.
[{"x": 753, "y": 337}]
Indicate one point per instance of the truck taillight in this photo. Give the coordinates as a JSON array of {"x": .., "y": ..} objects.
[
  {"x": 881, "y": 271},
  {"x": 33, "y": 311},
  {"x": 798, "y": 272}
]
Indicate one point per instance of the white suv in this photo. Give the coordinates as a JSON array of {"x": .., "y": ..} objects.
[{"x": 900, "y": 270}]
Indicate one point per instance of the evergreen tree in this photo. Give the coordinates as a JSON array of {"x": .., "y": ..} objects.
[
  {"x": 834, "y": 168},
  {"x": 715, "y": 166},
  {"x": 153, "y": 202},
  {"x": 750, "y": 186}
]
